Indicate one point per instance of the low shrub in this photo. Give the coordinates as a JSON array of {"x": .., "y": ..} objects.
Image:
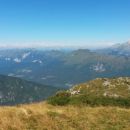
[
  {"x": 61, "y": 98},
  {"x": 64, "y": 98}
]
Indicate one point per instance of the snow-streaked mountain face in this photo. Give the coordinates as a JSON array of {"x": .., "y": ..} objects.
[
  {"x": 31, "y": 64},
  {"x": 17, "y": 60},
  {"x": 59, "y": 68},
  {"x": 25, "y": 55},
  {"x": 98, "y": 67},
  {"x": 120, "y": 49}
]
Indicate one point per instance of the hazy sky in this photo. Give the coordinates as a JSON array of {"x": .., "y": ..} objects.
[{"x": 64, "y": 22}]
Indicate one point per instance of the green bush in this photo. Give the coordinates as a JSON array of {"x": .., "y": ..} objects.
[
  {"x": 64, "y": 98},
  {"x": 61, "y": 98},
  {"x": 104, "y": 101}
]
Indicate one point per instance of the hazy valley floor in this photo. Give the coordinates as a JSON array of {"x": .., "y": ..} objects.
[{"x": 42, "y": 116}]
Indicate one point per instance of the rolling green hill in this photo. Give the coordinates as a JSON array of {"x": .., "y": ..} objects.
[{"x": 98, "y": 92}]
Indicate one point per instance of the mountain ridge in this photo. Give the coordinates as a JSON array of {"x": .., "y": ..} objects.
[
  {"x": 18, "y": 91},
  {"x": 120, "y": 49}
]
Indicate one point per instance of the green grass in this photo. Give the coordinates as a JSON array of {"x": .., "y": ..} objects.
[{"x": 115, "y": 92}]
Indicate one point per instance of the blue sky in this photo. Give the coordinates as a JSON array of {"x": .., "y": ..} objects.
[{"x": 64, "y": 22}]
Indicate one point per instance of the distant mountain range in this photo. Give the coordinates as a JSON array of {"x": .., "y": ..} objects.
[
  {"x": 117, "y": 49},
  {"x": 65, "y": 68},
  {"x": 17, "y": 91}
]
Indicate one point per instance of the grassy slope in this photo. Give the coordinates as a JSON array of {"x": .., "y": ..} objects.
[
  {"x": 101, "y": 91},
  {"x": 42, "y": 116},
  {"x": 111, "y": 86}
]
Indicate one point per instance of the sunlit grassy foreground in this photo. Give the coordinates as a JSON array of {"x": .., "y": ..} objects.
[{"x": 42, "y": 116}]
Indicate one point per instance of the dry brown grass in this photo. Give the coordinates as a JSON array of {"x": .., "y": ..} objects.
[{"x": 42, "y": 116}]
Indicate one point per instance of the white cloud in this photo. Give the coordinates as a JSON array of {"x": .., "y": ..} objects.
[{"x": 56, "y": 44}]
